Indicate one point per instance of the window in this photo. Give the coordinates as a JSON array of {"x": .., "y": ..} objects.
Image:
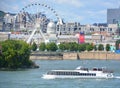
[
  {"x": 79, "y": 28},
  {"x": 70, "y": 73},
  {"x": 57, "y": 29},
  {"x": 103, "y": 29},
  {"x": 69, "y": 29},
  {"x": 110, "y": 29}
]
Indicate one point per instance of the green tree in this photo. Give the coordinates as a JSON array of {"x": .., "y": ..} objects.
[
  {"x": 73, "y": 46},
  {"x": 89, "y": 47},
  {"x": 67, "y": 46},
  {"x": 15, "y": 54},
  {"x": 42, "y": 46},
  {"x": 61, "y": 46},
  {"x": 100, "y": 47},
  {"x": 2, "y": 14},
  {"x": 51, "y": 46},
  {"x": 117, "y": 44},
  {"x": 34, "y": 46},
  {"x": 82, "y": 47},
  {"x": 107, "y": 47}
]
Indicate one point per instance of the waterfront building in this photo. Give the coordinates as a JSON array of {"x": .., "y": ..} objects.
[
  {"x": 51, "y": 32},
  {"x": 113, "y": 16},
  {"x": 9, "y": 21},
  {"x": 21, "y": 22},
  {"x": 4, "y": 36},
  {"x": 67, "y": 38},
  {"x": 1, "y": 25},
  {"x": 67, "y": 28}
]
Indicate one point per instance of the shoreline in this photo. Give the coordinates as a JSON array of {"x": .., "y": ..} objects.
[{"x": 74, "y": 56}]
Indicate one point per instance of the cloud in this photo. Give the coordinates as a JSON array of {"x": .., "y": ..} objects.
[
  {"x": 96, "y": 13},
  {"x": 70, "y": 17},
  {"x": 75, "y": 3},
  {"x": 96, "y": 16},
  {"x": 4, "y": 6},
  {"x": 9, "y": 6},
  {"x": 111, "y": 4},
  {"x": 15, "y": 8}
]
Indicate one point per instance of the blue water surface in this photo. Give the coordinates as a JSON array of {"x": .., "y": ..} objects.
[{"x": 32, "y": 78}]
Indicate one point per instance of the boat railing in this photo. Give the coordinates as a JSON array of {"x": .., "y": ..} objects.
[
  {"x": 82, "y": 68},
  {"x": 107, "y": 71},
  {"x": 103, "y": 70}
]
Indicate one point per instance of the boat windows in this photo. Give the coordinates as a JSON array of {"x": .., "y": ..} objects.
[
  {"x": 87, "y": 74},
  {"x": 70, "y": 73},
  {"x": 97, "y": 69},
  {"x": 94, "y": 69}
]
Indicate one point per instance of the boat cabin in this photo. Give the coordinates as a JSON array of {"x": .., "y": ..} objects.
[{"x": 82, "y": 68}]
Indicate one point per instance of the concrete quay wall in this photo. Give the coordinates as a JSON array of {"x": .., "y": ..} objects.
[
  {"x": 46, "y": 57},
  {"x": 70, "y": 56},
  {"x": 99, "y": 55},
  {"x": 77, "y": 56}
]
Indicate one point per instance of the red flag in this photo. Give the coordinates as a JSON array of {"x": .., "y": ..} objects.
[{"x": 81, "y": 38}]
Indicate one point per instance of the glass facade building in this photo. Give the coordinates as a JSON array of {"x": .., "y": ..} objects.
[{"x": 113, "y": 16}]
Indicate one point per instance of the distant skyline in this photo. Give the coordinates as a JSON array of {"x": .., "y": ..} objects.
[{"x": 83, "y": 11}]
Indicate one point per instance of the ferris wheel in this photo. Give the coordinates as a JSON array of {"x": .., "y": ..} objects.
[
  {"x": 37, "y": 10},
  {"x": 36, "y": 16}
]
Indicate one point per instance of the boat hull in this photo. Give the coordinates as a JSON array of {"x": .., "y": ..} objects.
[{"x": 75, "y": 77}]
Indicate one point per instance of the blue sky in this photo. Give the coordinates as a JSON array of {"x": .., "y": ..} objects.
[{"x": 83, "y": 11}]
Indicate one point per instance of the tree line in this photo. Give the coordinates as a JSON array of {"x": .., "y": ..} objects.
[{"x": 72, "y": 46}]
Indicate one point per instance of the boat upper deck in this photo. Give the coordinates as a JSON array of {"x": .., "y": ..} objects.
[{"x": 83, "y": 69}]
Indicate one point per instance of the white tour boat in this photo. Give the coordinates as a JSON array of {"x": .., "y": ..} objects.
[{"x": 79, "y": 72}]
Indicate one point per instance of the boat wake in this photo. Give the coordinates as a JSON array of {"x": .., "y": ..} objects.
[{"x": 47, "y": 77}]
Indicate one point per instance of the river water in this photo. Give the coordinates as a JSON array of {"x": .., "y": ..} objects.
[{"x": 32, "y": 78}]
